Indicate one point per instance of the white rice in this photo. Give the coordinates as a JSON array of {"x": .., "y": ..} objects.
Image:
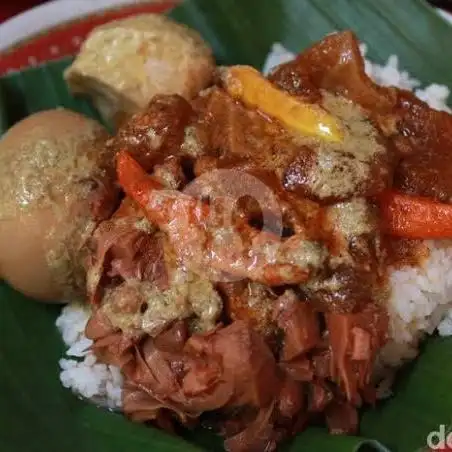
[
  {"x": 80, "y": 370},
  {"x": 420, "y": 301}
]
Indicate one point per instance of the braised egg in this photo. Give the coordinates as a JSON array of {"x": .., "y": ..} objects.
[{"x": 56, "y": 185}]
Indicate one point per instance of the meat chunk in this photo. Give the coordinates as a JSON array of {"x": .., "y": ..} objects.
[
  {"x": 157, "y": 132},
  {"x": 352, "y": 273},
  {"x": 334, "y": 64},
  {"x": 427, "y": 173},
  {"x": 360, "y": 165},
  {"x": 346, "y": 289},
  {"x": 299, "y": 323},
  {"x": 250, "y": 302}
]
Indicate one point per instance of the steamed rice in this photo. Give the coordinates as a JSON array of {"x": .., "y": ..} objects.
[
  {"x": 420, "y": 300},
  {"x": 80, "y": 370}
]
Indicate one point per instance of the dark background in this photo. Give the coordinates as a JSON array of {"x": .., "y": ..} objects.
[{"x": 11, "y": 8}]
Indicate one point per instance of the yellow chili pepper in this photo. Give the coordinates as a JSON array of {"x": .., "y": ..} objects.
[{"x": 246, "y": 84}]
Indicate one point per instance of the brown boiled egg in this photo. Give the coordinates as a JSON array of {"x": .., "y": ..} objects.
[{"x": 56, "y": 185}]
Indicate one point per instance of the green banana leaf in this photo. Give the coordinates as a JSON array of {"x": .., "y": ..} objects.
[
  {"x": 3, "y": 116},
  {"x": 38, "y": 414}
]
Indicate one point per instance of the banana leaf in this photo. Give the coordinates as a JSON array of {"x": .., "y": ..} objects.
[
  {"x": 37, "y": 413},
  {"x": 3, "y": 116}
]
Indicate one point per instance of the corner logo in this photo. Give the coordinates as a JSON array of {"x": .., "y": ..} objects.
[{"x": 440, "y": 439}]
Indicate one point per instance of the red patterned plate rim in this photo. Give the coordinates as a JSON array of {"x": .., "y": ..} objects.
[{"x": 64, "y": 38}]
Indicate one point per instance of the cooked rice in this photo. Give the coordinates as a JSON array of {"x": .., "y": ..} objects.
[
  {"x": 420, "y": 300},
  {"x": 80, "y": 370}
]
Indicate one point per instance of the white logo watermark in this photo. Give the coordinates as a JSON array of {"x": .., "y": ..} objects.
[
  {"x": 224, "y": 190},
  {"x": 440, "y": 439}
]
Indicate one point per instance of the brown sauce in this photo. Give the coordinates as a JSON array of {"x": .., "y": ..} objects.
[
  {"x": 403, "y": 252},
  {"x": 306, "y": 176}
]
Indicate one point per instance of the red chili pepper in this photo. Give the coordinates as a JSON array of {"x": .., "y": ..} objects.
[{"x": 415, "y": 217}]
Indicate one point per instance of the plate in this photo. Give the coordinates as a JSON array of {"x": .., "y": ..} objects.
[{"x": 57, "y": 29}]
